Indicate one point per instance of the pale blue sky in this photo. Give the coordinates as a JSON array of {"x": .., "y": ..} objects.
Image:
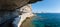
[{"x": 47, "y": 6}]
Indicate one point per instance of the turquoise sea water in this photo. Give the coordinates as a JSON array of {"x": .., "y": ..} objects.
[{"x": 47, "y": 20}]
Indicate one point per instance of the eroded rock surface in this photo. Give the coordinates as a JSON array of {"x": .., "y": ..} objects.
[{"x": 26, "y": 11}]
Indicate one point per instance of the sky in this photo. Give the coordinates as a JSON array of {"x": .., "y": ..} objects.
[{"x": 46, "y": 6}]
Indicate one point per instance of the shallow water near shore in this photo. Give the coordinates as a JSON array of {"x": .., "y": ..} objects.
[{"x": 46, "y": 20}]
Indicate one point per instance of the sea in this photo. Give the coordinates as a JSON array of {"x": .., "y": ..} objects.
[{"x": 46, "y": 20}]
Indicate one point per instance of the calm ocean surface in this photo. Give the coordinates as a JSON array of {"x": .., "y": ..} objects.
[{"x": 47, "y": 20}]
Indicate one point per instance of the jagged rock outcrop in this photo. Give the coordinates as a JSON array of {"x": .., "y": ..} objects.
[
  {"x": 26, "y": 16},
  {"x": 9, "y": 10},
  {"x": 13, "y": 4},
  {"x": 26, "y": 11}
]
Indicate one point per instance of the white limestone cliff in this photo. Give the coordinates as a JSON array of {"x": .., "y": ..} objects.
[{"x": 26, "y": 11}]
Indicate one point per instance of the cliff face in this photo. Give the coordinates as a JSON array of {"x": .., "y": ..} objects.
[
  {"x": 13, "y": 4},
  {"x": 26, "y": 12},
  {"x": 26, "y": 16},
  {"x": 7, "y": 5}
]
